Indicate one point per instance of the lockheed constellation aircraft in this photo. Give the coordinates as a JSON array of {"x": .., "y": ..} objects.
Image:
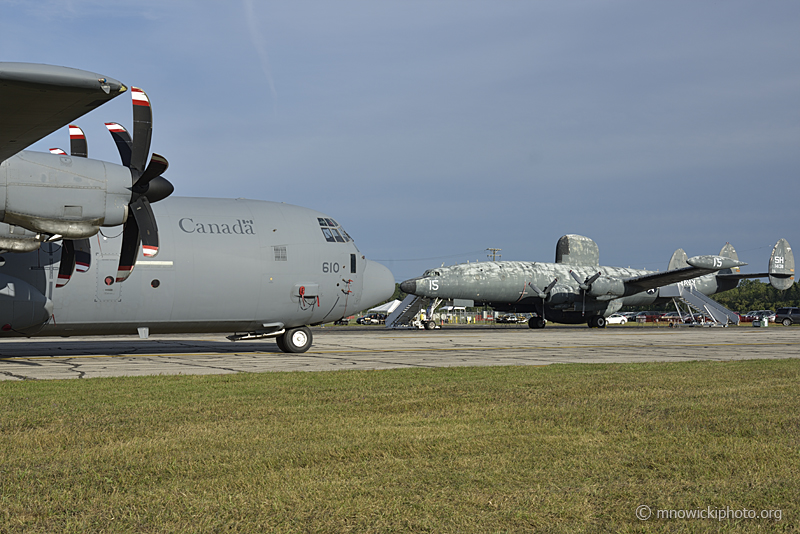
[
  {"x": 576, "y": 289},
  {"x": 254, "y": 268}
]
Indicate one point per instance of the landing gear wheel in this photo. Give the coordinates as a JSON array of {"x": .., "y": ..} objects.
[
  {"x": 430, "y": 325},
  {"x": 536, "y": 323},
  {"x": 596, "y": 321},
  {"x": 295, "y": 340},
  {"x": 787, "y": 322}
]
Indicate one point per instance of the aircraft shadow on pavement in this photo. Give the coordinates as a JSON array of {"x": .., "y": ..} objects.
[{"x": 117, "y": 348}]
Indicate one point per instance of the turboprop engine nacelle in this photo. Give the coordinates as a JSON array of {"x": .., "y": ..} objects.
[
  {"x": 18, "y": 239},
  {"x": 59, "y": 194},
  {"x": 22, "y": 306}
]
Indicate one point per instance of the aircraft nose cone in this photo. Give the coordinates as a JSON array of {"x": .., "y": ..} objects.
[
  {"x": 409, "y": 286},
  {"x": 378, "y": 284}
]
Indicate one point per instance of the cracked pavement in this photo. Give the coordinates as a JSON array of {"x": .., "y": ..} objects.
[{"x": 376, "y": 348}]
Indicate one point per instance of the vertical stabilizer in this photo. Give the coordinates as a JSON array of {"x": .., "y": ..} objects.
[
  {"x": 781, "y": 266},
  {"x": 678, "y": 260},
  {"x": 729, "y": 252}
]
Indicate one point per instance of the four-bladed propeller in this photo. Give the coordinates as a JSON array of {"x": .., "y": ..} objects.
[{"x": 147, "y": 183}]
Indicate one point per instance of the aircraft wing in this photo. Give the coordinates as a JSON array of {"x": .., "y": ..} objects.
[
  {"x": 36, "y": 100},
  {"x": 742, "y": 276},
  {"x": 698, "y": 266}
]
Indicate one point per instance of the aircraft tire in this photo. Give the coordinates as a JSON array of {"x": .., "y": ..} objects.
[
  {"x": 295, "y": 340},
  {"x": 536, "y": 323},
  {"x": 787, "y": 322},
  {"x": 279, "y": 341},
  {"x": 430, "y": 325},
  {"x": 599, "y": 321}
]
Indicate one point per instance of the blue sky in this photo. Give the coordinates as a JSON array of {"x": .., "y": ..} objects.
[{"x": 434, "y": 130}]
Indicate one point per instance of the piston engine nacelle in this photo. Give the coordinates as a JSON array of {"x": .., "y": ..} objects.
[
  {"x": 59, "y": 194},
  {"x": 606, "y": 286},
  {"x": 22, "y": 306}
]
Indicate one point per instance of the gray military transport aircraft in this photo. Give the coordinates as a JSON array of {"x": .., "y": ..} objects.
[
  {"x": 576, "y": 289},
  {"x": 254, "y": 268}
]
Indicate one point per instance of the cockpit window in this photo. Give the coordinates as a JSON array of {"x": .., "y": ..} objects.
[{"x": 332, "y": 231}]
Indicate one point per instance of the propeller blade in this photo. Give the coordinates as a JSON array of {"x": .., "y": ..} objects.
[
  {"x": 58, "y": 151},
  {"x": 158, "y": 164},
  {"x": 83, "y": 255},
  {"x": 123, "y": 141},
  {"x": 130, "y": 247},
  {"x": 78, "y": 146},
  {"x": 581, "y": 283},
  {"x": 539, "y": 293},
  {"x": 146, "y": 221},
  {"x": 549, "y": 288},
  {"x": 590, "y": 281},
  {"x": 67, "y": 266},
  {"x": 142, "y": 129},
  {"x": 543, "y": 294}
]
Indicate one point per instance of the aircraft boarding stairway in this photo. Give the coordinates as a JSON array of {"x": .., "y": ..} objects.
[
  {"x": 694, "y": 300},
  {"x": 404, "y": 315}
]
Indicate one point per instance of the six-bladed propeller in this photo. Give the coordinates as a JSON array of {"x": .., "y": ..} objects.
[
  {"x": 147, "y": 186},
  {"x": 75, "y": 253},
  {"x": 147, "y": 183}
]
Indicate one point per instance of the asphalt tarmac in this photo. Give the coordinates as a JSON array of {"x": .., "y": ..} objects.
[{"x": 344, "y": 348}]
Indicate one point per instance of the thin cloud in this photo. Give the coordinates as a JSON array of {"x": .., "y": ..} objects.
[{"x": 257, "y": 40}]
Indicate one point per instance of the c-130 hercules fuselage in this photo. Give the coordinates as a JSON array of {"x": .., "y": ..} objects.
[{"x": 225, "y": 266}]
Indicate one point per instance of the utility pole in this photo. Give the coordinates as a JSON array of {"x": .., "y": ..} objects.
[{"x": 493, "y": 253}]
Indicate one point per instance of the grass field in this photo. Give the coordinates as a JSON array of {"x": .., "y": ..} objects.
[{"x": 562, "y": 448}]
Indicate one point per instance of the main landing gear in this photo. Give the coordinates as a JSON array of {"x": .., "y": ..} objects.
[
  {"x": 295, "y": 340},
  {"x": 596, "y": 321},
  {"x": 536, "y": 322}
]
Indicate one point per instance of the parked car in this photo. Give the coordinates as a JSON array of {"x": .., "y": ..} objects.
[
  {"x": 507, "y": 318},
  {"x": 672, "y": 317},
  {"x": 764, "y": 314},
  {"x": 372, "y": 318},
  {"x": 616, "y": 318},
  {"x": 647, "y": 316},
  {"x": 787, "y": 316},
  {"x": 344, "y": 321}
]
